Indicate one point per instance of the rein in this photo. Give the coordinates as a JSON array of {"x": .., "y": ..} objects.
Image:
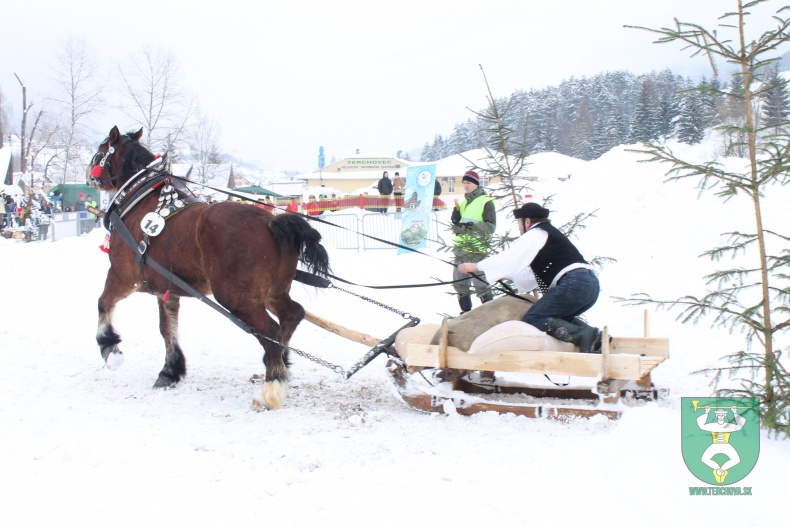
[{"x": 504, "y": 287}]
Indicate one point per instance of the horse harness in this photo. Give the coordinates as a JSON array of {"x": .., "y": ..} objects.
[{"x": 171, "y": 201}]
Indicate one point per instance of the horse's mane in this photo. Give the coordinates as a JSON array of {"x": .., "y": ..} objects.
[{"x": 135, "y": 157}]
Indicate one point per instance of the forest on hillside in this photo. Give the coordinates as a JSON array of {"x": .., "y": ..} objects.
[{"x": 586, "y": 117}]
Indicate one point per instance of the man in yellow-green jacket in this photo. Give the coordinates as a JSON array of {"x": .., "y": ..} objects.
[{"x": 474, "y": 221}]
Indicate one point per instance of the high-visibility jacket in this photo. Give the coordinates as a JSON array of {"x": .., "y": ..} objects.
[{"x": 473, "y": 212}]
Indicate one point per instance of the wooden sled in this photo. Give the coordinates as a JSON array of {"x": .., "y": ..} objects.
[{"x": 622, "y": 371}]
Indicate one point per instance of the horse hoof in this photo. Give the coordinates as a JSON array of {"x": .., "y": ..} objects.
[
  {"x": 271, "y": 397},
  {"x": 165, "y": 381},
  {"x": 113, "y": 359}
]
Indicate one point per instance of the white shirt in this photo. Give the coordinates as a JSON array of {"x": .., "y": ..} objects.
[{"x": 513, "y": 263}]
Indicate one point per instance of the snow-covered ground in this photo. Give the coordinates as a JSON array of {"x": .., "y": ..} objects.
[{"x": 80, "y": 444}]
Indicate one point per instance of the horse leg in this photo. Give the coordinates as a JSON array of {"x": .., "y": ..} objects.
[
  {"x": 289, "y": 313},
  {"x": 106, "y": 337},
  {"x": 275, "y": 384},
  {"x": 175, "y": 364}
]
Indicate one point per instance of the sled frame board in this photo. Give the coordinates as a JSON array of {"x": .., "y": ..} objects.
[
  {"x": 624, "y": 366},
  {"x": 629, "y": 390},
  {"x": 650, "y": 346},
  {"x": 423, "y": 401}
]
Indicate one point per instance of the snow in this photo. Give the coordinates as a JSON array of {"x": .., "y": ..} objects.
[{"x": 79, "y": 442}]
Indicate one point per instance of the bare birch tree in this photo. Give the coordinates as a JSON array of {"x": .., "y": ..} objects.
[
  {"x": 78, "y": 94},
  {"x": 155, "y": 98},
  {"x": 203, "y": 141}
]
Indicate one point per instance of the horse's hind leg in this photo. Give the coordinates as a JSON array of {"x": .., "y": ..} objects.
[
  {"x": 275, "y": 384},
  {"x": 106, "y": 337},
  {"x": 289, "y": 313},
  {"x": 175, "y": 364}
]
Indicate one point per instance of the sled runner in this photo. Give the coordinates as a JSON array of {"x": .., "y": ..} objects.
[{"x": 619, "y": 374}]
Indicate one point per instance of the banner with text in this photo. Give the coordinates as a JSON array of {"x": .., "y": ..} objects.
[{"x": 417, "y": 206}]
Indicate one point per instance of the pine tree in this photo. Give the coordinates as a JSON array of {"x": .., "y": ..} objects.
[
  {"x": 582, "y": 133},
  {"x": 644, "y": 126},
  {"x": 427, "y": 153},
  {"x": 776, "y": 106},
  {"x": 752, "y": 297},
  {"x": 691, "y": 121}
]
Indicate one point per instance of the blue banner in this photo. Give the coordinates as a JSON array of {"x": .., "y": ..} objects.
[{"x": 417, "y": 207}]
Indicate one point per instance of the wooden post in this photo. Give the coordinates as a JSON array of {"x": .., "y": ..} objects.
[
  {"x": 645, "y": 382},
  {"x": 605, "y": 353},
  {"x": 443, "y": 345}
]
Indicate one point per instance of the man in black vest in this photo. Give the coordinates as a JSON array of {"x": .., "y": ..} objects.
[{"x": 543, "y": 257}]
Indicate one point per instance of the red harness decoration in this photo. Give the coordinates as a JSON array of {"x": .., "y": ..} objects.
[{"x": 105, "y": 247}]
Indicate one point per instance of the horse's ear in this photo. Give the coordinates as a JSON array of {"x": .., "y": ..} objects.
[
  {"x": 115, "y": 134},
  {"x": 137, "y": 135}
]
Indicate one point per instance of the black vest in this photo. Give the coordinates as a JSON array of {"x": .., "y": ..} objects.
[{"x": 556, "y": 255}]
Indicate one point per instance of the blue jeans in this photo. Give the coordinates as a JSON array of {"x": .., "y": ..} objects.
[{"x": 575, "y": 293}]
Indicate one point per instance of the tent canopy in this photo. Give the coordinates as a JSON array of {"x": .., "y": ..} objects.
[
  {"x": 69, "y": 192},
  {"x": 255, "y": 189}
]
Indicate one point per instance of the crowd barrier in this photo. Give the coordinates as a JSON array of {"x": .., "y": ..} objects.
[
  {"x": 353, "y": 234},
  {"x": 353, "y": 231},
  {"x": 56, "y": 227}
]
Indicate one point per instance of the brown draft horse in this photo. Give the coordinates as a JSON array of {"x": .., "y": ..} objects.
[{"x": 243, "y": 255}]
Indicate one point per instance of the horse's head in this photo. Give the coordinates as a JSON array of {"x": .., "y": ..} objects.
[{"x": 119, "y": 157}]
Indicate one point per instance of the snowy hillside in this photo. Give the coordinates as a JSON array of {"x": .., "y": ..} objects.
[{"x": 81, "y": 444}]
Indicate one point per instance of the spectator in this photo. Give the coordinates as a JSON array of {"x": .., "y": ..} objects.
[
  {"x": 44, "y": 218},
  {"x": 90, "y": 202},
  {"x": 10, "y": 207},
  {"x": 385, "y": 189},
  {"x": 544, "y": 257},
  {"x": 437, "y": 191},
  {"x": 311, "y": 207},
  {"x": 397, "y": 187},
  {"x": 474, "y": 221},
  {"x": 79, "y": 206},
  {"x": 292, "y": 206}
]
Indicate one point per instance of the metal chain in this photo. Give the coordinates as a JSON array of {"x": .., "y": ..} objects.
[
  {"x": 322, "y": 362},
  {"x": 365, "y": 359},
  {"x": 380, "y": 304}
]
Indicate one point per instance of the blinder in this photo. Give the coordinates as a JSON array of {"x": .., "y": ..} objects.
[{"x": 100, "y": 159}]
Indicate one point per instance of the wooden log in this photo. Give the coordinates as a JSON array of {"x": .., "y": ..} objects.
[{"x": 344, "y": 332}]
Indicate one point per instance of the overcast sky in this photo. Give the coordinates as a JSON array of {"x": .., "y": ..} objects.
[{"x": 283, "y": 78}]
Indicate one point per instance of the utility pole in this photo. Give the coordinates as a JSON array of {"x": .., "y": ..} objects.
[
  {"x": 321, "y": 165},
  {"x": 22, "y": 137}
]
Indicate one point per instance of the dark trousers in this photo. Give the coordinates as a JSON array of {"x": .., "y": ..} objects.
[{"x": 575, "y": 293}]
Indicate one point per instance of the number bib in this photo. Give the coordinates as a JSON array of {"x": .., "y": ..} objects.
[{"x": 152, "y": 224}]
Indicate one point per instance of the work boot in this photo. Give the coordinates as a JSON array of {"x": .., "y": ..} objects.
[
  {"x": 465, "y": 301},
  {"x": 597, "y": 343},
  {"x": 583, "y": 336}
]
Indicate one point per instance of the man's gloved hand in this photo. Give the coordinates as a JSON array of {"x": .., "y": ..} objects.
[{"x": 455, "y": 217}]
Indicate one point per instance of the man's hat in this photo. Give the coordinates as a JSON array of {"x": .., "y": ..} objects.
[
  {"x": 472, "y": 176},
  {"x": 531, "y": 210},
  {"x": 81, "y": 195}
]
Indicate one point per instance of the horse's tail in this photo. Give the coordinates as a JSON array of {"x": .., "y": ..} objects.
[{"x": 294, "y": 232}]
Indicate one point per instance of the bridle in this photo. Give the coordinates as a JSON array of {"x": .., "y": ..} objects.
[{"x": 99, "y": 163}]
